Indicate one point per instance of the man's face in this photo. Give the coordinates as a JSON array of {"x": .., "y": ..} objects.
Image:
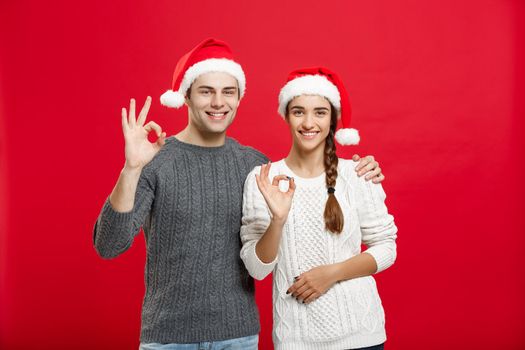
[{"x": 212, "y": 102}]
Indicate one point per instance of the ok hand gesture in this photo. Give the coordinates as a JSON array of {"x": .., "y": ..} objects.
[
  {"x": 279, "y": 202},
  {"x": 139, "y": 151}
]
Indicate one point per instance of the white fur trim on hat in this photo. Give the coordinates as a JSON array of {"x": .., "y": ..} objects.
[
  {"x": 309, "y": 85},
  {"x": 347, "y": 137},
  {"x": 213, "y": 65},
  {"x": 173, "y": 99}
]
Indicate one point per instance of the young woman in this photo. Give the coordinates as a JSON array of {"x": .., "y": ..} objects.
[{"x": 305, "y": 218}]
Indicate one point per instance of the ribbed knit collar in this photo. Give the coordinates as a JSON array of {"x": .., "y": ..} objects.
[
  {"x": 304, "y": 181},
  {"x": 201, "y": 149}
]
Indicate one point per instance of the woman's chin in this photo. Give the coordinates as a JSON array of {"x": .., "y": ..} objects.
[{"x": 307, "y": 145}]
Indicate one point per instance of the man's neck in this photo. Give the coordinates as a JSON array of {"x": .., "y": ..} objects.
[{"x": 193, "y": 136}]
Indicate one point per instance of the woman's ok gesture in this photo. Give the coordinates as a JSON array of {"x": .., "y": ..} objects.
[{"x": 279, "y": 202}]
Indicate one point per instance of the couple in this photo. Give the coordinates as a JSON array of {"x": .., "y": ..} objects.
[{"x": 304, "y": 217}]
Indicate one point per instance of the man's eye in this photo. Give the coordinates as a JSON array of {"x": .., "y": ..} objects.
[
  {"x": 229, "y": 92},
  {"x": 205, "y": 92}
]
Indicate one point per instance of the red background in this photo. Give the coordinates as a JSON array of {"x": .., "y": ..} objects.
[{"x": 438, "y": 94}]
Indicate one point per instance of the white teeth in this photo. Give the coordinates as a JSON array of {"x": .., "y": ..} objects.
[
  {"x": 309, "y": 133},
  {"x": 217, "y": 114}
]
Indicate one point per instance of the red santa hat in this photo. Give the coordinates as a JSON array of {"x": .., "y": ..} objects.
[
  {"x": 323, "y": 82},
  {"x": 209, "y": 56}
]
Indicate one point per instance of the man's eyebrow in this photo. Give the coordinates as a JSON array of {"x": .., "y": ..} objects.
[{"x": 212, "y": 88}]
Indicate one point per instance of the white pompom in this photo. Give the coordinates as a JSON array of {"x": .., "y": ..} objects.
[
  {"x": 347, "y": 137},
  {"x": 173, "y": 99}
]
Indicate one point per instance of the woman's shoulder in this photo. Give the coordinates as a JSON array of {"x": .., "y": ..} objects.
[
  {"x": 343, "y": 162},
  {"x": 346, "y": 169}
]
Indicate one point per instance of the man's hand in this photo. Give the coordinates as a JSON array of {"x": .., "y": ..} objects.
[
  {"x": 314, "y": 283},
  {"x": 138, "y": 150},
  {"x": 368, "y": 165}
]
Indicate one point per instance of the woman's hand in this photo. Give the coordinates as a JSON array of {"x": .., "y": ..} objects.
[
  {"x": 314, "y": 283},
  {"x": 279, "y": 202},
  {"x": 138, "y": 150}
]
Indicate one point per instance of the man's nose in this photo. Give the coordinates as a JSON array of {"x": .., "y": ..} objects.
[{"x": 217, "y": 101}]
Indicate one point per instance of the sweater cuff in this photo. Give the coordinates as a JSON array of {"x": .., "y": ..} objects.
[
  {"x": 115, "y": 217},
  {"x": 257, "y": 268},
  {"x": 111, "y": 233},
  {"x": 381, "y": 256}
]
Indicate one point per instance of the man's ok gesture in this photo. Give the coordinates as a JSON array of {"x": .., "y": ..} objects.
[{"x": 139, "y": 151}]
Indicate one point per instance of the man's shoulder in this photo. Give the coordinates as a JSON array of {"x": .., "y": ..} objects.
[
  {"x": 252, "y": 154},
  {"x": 164, "y": 156}
]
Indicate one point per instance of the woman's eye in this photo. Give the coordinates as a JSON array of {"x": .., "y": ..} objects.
[{"x": 298, "y": 113}]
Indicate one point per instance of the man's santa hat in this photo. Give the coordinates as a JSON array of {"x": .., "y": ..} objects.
[
  {"x": 323, "y": 82},
  {"x": 209, "y": 56}
]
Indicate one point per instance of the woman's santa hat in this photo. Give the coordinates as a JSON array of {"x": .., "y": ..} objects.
[
  {"x": 209, "y": 56},
  {"x": 323, "y": 82}
]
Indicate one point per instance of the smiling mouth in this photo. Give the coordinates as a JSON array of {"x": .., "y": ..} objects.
[
  {"x": 217, "y": 115},
  {"x": 309, "y": 134}
]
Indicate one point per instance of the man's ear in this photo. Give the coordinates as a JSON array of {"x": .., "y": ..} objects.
[{"x": 187, "y": 96}]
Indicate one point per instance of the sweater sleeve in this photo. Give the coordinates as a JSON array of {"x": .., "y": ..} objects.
[
  {"x": 378, "y": 230},
  {"x": 114, "y": 231},
  {"x": 255, "y": 221}
]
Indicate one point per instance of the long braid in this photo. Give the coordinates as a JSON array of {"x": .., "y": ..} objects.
[{"x": 333, "y": 215}]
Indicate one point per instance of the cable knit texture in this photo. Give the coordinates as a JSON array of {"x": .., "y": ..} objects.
[
  {"x": 350, "y": 314},
  {"x": 189, "y": 202}
]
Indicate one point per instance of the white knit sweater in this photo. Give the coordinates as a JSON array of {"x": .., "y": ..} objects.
[{"x": 349, "y": 315}]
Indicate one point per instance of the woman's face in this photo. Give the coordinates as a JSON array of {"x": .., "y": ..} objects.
[{"x": 309, "y": 121}]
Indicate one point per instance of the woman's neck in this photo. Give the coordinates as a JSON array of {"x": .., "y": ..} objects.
[{"x": 306, "y": 163}]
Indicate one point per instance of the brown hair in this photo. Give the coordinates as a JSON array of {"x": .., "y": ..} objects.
[{"x": 333, "y": 215}]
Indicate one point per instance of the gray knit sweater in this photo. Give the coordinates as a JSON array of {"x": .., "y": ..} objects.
[{"x": 189, "y": 204}]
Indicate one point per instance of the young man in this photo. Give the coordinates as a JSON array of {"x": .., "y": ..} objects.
[{"x": 185, "y": 191}]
